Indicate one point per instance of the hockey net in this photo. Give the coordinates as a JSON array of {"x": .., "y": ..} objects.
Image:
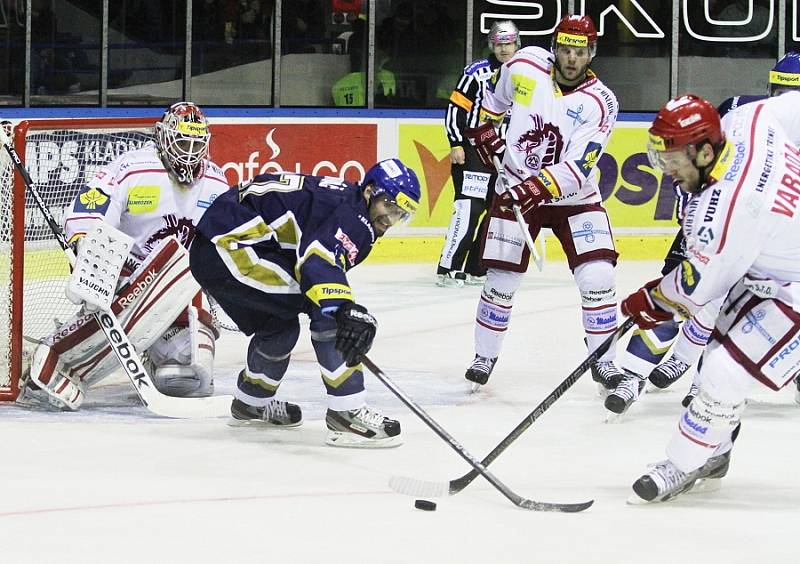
[{"x": 61, "y": 156}]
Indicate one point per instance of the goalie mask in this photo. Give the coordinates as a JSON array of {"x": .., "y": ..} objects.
[{"x": 183, "y": 136}]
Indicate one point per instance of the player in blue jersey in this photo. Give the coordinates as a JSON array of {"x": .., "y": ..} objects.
[
  {"x": 647, "y": 348},
  {"x": 282, "y": 245}
]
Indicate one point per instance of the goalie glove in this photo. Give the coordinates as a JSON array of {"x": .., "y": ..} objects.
[
  {"x": 355, "y": 331},
  {"x": 486, "y": 142},
  {"x": 528, "y": 194},
  {"x": 641, "y": 307}
]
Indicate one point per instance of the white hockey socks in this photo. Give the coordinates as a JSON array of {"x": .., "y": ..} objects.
[
  {"x": 595, "y": 282},
  {"x": 494, "y": 311}
]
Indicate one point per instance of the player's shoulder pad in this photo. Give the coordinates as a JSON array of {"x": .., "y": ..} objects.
[
  {"x": 735, "y": 101},
  {"x": 144, "y": 158},
  {"x": 475, "y": 66},
  {"x": 606, "y": 95},
  {"x": 542, "y": 58}
]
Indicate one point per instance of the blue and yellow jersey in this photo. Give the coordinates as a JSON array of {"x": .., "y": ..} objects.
[{"x": 293, "y": 234}]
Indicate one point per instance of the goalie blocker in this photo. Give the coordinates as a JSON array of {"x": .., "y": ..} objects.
[{"x": 152, "y": 308}]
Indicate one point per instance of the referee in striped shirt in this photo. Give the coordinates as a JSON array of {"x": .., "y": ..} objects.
[{"x": 472, "y": 180}]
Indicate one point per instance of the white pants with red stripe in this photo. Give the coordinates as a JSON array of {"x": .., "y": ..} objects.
[
  {"x": 755, "y": 339},
  {"x": 595, "y": 281}
]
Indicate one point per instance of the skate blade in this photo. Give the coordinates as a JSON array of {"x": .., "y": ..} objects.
[
  {"x": 233, "y": 422},
  {"x": 615, "y": 418},
  {"x": 706, "y": 485},
  {"x": 475, "y": 388},
  {"x": 351, "y": 440},
  {"x": 634, "y": 499}
]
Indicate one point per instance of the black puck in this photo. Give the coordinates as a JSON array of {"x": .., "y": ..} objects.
[{"x": 425, "y": 505}]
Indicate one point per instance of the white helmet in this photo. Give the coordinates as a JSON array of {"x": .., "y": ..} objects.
[
  {"x": 183, "y": 136},
  {"x": 503, "y": 32}
]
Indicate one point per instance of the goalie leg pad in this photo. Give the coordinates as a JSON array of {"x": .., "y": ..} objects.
[
  {"x": 184, "y": 356},
  {"x": 494, "y": 310},
  {"x": 268, "y": 356},
  {"x": 155, "y": 295},
  {"x": 706, "y": 427}
]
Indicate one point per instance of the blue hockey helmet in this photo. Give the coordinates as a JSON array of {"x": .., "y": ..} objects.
[
  {"x": 785, "y": 75},
  {"x": 398, "y": 182}
]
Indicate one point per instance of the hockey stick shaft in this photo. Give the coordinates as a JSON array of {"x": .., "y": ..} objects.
[
  {"x": 501, "y": 173},
  {"x": 460, "y": 483},
  {"x": 478, "y": 468},
  {"x": 115, "y": 334}
]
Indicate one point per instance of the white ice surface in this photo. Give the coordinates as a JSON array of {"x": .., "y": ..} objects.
[{"x": 113, "y": 484}]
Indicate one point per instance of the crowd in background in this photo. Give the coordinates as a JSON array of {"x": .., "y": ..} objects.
[{"x": 420, "y": 45}]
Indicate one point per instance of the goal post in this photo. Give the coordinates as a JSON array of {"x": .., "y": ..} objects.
[{"x": 61, "y": 155}]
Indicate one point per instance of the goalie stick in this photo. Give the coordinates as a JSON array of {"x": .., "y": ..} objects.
[
  {"x": 538, "y": 260},
  {"x": 422, "y": 488},
  {"x": 478, "y": 468},
  {"x": 129, "y": 359}
]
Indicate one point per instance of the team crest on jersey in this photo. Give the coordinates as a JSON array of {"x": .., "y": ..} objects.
[
  {"x": 542, "y": 144},
  {"x": 182, "y": 228},
  {"x": 589, "y": 159},
  {"x": 92, "y": 200}
]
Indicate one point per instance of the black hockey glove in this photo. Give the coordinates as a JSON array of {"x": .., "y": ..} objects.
[{"x": 355, "y": 331}]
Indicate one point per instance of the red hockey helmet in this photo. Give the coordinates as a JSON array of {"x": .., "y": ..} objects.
[
  {"x": 686, "y": 120},
  {"x": 576, "y": 31},
  {"x": 683, "y": 122}
]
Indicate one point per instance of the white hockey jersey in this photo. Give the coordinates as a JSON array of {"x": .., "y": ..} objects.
[
  {"x": 136, "y": 194},
  {"x": 745, "y": 223},
  {"x": 557, "y": 136}
]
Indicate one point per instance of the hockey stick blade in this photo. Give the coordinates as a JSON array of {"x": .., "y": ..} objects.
[
  {"x": 423, "y": 488},
  {"x": 463, "y": 453}
]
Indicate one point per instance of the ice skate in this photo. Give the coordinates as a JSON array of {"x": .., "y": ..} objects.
[
  {"x": 479, "y": 371},
  {"x": 626, "y": 392},
  {"x": 664, "y": 481},
  {"x": 475, "y": 279},
  {"x": 362, "y": 428},
  {"x": 693, "y": 391},
  {"x": 607, "y": 375},
  {"x": 276, "y": 413},
  {"x": 451, "y": 279},
  {"x": 667, "y": 373}
]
